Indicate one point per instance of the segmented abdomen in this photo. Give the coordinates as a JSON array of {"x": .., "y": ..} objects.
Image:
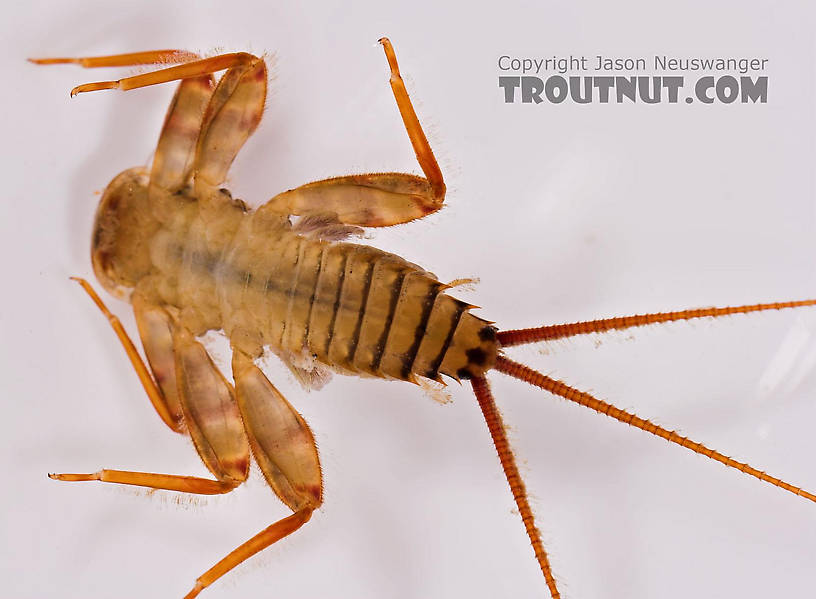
[{"x": 354, "y": 308}]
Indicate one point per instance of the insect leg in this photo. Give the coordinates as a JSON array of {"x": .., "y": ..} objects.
[
  {"x": 420, "y": 143},
  {"x": 369, "y": 200},
  {"x": 206, "y": 401},
  {"x": 156, "y": 333},
  {"x": 259, "y": 542},
  {"x": 376, "y": 199},
  {"x": 497, "y": 432},
  {"x": 124, "y": 60},
  {"x": 196, "y": 68},
  {"x": 282, "y": 443},
  {"x": 233, "y": 113},
  {"x": 170, "y": 414},
  {"x": 175, "y": 152},
  {"x": 210, "y": 410},
  {"x": 233, "y": 110},
  {"x": 285, "y": 450},
  {"x": 213, "y": 433},
  {"x": 173, "y": 159},
  {"x": 166, "y": 482}
]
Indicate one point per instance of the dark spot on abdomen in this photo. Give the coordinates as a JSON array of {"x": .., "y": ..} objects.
[
  {"x": 464, "y": 373},
  {"x": 487, "y": 333},
  {"x": 476, "y": 356}
]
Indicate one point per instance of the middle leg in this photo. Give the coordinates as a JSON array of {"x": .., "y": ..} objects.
[{"x": 201, "y": 400}]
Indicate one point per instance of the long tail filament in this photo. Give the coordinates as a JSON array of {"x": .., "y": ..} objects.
[
  {"x": 508, "y": 462},
  {"x": 528, "y": 375},
  {"x": 537, "y": 379},
  {"x": 559, "y": 331}
]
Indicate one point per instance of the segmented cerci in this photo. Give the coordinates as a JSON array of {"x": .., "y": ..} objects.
[{"x": 190, "y": 259}]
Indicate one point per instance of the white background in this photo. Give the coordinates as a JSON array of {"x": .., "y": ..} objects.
[{"x": 565, "y": 213}]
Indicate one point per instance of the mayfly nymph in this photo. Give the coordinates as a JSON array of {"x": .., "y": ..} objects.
[{"x": 190, "y": 258}]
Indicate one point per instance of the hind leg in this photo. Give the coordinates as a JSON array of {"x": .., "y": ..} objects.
[
  {"x": 374, "y": 199},
  {"x": 284, "y": 447}
]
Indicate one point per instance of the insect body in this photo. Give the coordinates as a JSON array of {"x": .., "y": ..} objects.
[
  {"x": 191, "y": 259},
  {"x": 352, "y": 307}
]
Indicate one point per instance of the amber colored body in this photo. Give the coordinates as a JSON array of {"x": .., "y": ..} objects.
[
  {"x": 353, "y": 308},
  {"x": 190, "y": 259}
]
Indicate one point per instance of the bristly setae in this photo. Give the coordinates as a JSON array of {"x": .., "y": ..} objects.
[{"x": 190, "y": 259}]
